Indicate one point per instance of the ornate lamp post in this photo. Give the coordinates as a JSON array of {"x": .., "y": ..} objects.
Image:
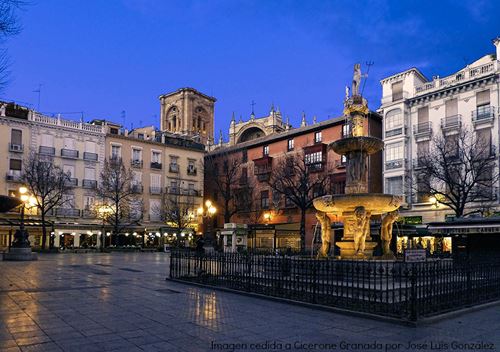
[
  {"x": 207, "y": 211},
  {"x": 21, "y": 247}
]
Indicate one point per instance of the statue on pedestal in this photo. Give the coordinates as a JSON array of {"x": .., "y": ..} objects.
[
  {"x": 386, "y": 233},
  {"x": 326, "y": 233},
  {"x": 362, "y": 229},
  {"x": 356, "y": 80}
]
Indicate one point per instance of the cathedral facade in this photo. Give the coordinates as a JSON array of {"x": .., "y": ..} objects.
[{"x": 188, "y": 112}]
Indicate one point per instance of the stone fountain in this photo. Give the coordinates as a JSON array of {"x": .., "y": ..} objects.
[{"x": 357, "y": 206}]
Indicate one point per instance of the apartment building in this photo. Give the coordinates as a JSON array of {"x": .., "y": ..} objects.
[
  {"x": 273, "y": 219},
  {"x": 415, "y": 108},
  {"x": 163, "y": 165},
  {"x": 77, "y": 147}
]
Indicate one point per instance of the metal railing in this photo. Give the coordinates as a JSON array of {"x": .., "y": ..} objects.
[
  {"x": 90, "y": 156},
  {"x": 192, "y": 171},
  {"x": 89, "y": 184},
  {"x": 136, "y": 163},
  {"x": 69, "y": 153},
  {"x": 46, "y": 150},
  {"x": 71, "y": 182},
  {"x": 405, "y": 291},
  {"x": 173, "y": 168},
  {"x": 394, "y": 164},
  {"x": 422, "y": 128},
  {"x": 135, "y": 188},
  {"x": 12, "y": 176},
  {"x": 156, "y": 165},
  {"x": 68, "y": 212},
  {"x": 154, "y": 189},
  {"x": 451, "y": 122},
  {"x": 483, "y": 114}
]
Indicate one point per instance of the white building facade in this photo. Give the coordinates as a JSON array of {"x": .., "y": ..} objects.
[{"x": 415, "y": 109}]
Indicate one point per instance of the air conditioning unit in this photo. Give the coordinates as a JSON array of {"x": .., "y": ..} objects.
[{"x": 16, "y": 147}]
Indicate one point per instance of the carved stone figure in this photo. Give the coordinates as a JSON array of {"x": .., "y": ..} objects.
[
  {"x": 346, "y": 93},
  {"x": 386, "y": 232},
  {"x": 356, "y": 80},
  {"x": 326, "y": 233},
  {"x": 362, "y": 229}
]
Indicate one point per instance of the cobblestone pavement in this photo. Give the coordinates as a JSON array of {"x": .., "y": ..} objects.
[{"x": 121, "y": 302}]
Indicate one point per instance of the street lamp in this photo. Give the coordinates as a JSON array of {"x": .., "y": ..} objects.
[
  {"x": 207, "y": 212},
  {"x": 21, "y": 235}
]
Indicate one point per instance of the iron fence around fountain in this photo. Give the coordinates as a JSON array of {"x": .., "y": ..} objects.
[{"x": 405, "y": 291}]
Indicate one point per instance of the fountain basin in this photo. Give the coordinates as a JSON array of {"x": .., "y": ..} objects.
[
  {"x": 376, "y": 203},
  {"x": 367, "y": 144}
]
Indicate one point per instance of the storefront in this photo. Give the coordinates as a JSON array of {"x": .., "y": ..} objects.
[
  {"x": 470, "y": 237},
  {"x": 274, "y": 236}
]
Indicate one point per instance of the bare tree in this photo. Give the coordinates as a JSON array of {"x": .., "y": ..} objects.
[
  {"x": 9, "y": 25},
  {"x": 300, "y": 179},
  {"x": 48, "y": 184},
  {"x": 459, "y": 170},
  {"x": 118, "y": 192},
  {"x": 222, "y": 173},
  {"x": 178, "y": 208}
]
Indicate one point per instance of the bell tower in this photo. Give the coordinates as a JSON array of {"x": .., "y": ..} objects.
[{"x": 188, "y": 112}]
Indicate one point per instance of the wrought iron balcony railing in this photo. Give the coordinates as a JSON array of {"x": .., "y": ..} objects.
[
  {"x": 69, "y": 153},
  {"x": 46, "y": 150},
  {"x": 91, "y": 184},
  {"x": 90, "y": 156}
]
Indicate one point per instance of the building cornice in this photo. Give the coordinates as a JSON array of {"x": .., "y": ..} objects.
[
  {"x": 401, "y": 75},
  {"x": 187, "y": 89}
]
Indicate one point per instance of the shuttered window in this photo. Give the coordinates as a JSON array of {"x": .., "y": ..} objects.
[
  {"x": 16, "y": 137},
  {"x": 422, "y": 149},
  {"x": 483, "y": 98},
  {"x": 451, "y": 107},
  {"x": 15, "y": 164},
  {"x": 47, "y": 140},
  {"x": 397, "y": 91},
  {"x": 89, "y": 173},
  {"x": 423, "y": 114}
]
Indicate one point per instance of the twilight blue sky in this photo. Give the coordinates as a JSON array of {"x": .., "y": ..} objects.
[{"x": 103, "y": 57}]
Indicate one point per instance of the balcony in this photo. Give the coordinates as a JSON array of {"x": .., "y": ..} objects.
[
  {"x": 395, "y": 97},
  {"x": 136, "y": 188},
  {"x": 263, "y": 168},
  {"x": 89, "y": 184},
  {"x": 90, "y": 156},
  {"x": 156, "y": 165},
  {"x": 418, "y": 163},
  {"x": 483, "y": 115},
  {"x": 71, "y": 182},
  {"x": 115, "y": 159},
  {"x": 191, "y": 171},
  {"x": 395, "y": 132},
  {"x": 87, "y": 213},
  {"x": 16, "y": 148},
  {"x": 69, "y": 153},
  {"x": 316, "y": 166},
  {"x": 173, "y": 168},
  {"x": 451, "y": 123},
  {"x": 173, "y": 190},
  {"x": 394, "y": 164},
  {"x": 68, "y": 212},
  {"x": 13, "y": 176},
  {"x": 154, "y": 189},
  {"x": 422, "y": 130},
  {"x": 137, "y": 164},
  {"x": 47, "y": 150},
  {"x": 263, "y": 177},
  {"x": 183, "y": 191}
]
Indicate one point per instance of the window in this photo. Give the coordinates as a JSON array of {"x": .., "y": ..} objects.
[
  {"x": 90, "y": 147},
  {"x": 154, "y": 209},
  {"x": 314, "y": 158},
  {"x": 276, "y": 199},
  {"x": 16, "y": 137},
  {"x": 174, "y": 187},
  {"x": 393, "y": 123},
  {"x": 290, "y": 144},
  {"x": 264, "y": 199},
  {"x": 451, "y": 107},
  {"x": 318, "y": 190},
  {"x": 343, "y": 159},
  {"x": 191, "y": 167},
  {"x": 69, "y": 143},
  {"x": 483, "y": 98},
  {"x": 338, "y": 183},
  {"x": 156, "y": 157},
  {"x": 174, "y": 166},
  {"x": 136, "y": 178},
  {"x": 140, "y": 136},
  {"x": 484, "y": 141},
  {"x": 394, "y": 185},
  {"x": 116, "y": 151},
  {"x": 394, "y": 151},
  {"x": 423, "y": 115},
  {"x": 47, "y": 140},
  {"x": 155, "y": 180},
  {"x": 88, "y": 202},
  {"x": 113, "y": 130},
  {"x": 15, "y": 164},
  {"x": 69, "y": 169},
  {"x": 346, "y": 130},
  {"x": 244, "y": 156},
  {"x": 317, "y": 137},
  {"x": 265, "y": 150},
  {"x": 397, "y": 91},
  {"x": 89, "y": 173},
  {"x": 136, "y": 155}
]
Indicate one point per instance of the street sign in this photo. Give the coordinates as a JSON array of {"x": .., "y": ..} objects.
[{"x": 415, "y": 255}]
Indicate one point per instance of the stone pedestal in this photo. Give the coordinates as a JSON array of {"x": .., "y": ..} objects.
[
  {"x": 347, "y": 250},
  {"x": 20, "y": 254}
]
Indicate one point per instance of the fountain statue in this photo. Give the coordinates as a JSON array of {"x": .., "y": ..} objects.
[
  {"x": 357, "y": 206},
  {"x": 386, "y": 233},
  {"x": 326, "y": 234}
]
